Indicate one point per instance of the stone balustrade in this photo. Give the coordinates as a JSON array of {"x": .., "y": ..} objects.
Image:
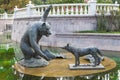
[
  {"x": 6, "y": 16},
  {"x": 106, "y": 8},
  {"x": 78, "y": 9},
  {"x": 91, "y": 8}
]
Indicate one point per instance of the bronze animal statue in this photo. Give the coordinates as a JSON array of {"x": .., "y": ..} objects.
[
  {"x": 29, "y": 42},
  {"x": 78, "y": 52}
]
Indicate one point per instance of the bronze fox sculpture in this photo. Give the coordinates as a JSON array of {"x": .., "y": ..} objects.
[{"x": 78, "y": 52}]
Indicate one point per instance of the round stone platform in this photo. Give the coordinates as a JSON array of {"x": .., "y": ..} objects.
[{"x": 60, "y": 68}]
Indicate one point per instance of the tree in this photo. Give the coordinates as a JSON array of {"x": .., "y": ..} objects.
[
  {"x": 38, "y": 2},
  {"x": 2, "y": 10},
  {"x": 116, "y": 0},
  {"x": 8, "y": 5}
]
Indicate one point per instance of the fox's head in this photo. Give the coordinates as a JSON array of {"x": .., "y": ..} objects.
[{"x": 68, "y": 48}]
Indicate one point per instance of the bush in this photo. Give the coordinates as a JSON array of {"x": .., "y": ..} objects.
[
  {"x": 38, "y": 2},
  {"x": 7, "y": 57},
  {"x": 104, "y": 1},
  {"x": 10, "y": 53},
  {"x": 109, "y": 23},
  {"x": 3, "y": 53},
  {"x": 2, "y": 10},
  {"x": 6, "y": 54}
]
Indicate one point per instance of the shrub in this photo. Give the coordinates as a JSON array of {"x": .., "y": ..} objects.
[
  {"x": 2, "y": 10},
  {"x": 7, "y": 57},
  {"x": 3, "y": 54},
  {"x": 10, "y": 53},
  {"x": 109, "y": 23}
]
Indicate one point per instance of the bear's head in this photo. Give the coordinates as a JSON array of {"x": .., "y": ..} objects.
[{"x": 45, "y": 29}]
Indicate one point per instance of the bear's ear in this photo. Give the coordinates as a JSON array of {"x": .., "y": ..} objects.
[
  {"x": 68, "y": 44},
  {"x": 43, "y": 24}
]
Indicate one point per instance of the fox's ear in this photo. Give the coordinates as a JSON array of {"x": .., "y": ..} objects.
[{"x": 67, "y": 44}]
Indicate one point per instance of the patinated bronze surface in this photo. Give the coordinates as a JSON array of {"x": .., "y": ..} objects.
[
  {"x": 30, "y": 47},
  {"x": 78, "y": 52},
  {"x": 29, "y": 42}
]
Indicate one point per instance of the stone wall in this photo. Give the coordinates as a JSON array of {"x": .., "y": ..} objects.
[
  {"x": 82, "y": 40},
  {"x": 58, "y": 25},
  {"x": 62, "y": 33}
]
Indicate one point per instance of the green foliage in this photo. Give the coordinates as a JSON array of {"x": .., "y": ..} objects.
[
  {"x": 8, "y": 5},
  {"x": 116, "y": 0},
  {"x": 3, "y": 54},
  {"x": 104, "y": 1},
  {"x": 108, "y": 1},
  {"x": 101, "y": 23},
  {"x": 109, "y": 23},
  {"x": 7, "y": 74},
  {"x": 10, "y": 53},
  {"x": 6, "y": 54},
  {"x": 5, "y": 63},
  {"x": 2, "y": 10},
  {"x": 38, "y": 2}
]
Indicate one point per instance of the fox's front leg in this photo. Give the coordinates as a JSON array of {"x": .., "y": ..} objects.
[{"x": 76, "y": 61}]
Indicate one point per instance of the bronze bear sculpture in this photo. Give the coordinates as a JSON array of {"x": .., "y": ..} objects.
[
  {"x": 78, "y": 52},
  {"x": 29, "y": 42}
]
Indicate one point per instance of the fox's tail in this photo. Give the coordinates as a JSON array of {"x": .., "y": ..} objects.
[{"x": 101, "y": 55}]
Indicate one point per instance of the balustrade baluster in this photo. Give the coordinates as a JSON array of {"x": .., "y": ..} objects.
[
  {"x": 58, "y": 10},
  {"x": 107, "y": 9},
  {"x": 76, "y": 10},
  {"x": 81, "y": 10},
  {"x": 72, "y": 10},
  {"x": 53, "y": 10},
  {"x": 85, "y": 11},
  {"x": 104, "y": 8},
  {"x": 42, "y": 10},
  {"x": 67, "y": 10},
  {"x": 50, "y": 13},
  {"x": 38, "y": 11},
  {"x": 101, "y": 7},
  {"x": 110, "y": 8}
]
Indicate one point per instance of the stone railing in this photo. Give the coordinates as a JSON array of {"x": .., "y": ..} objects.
[
  {"x": 79, "y": 9},
  {"x": 62, "y": 9},
  {"x": 6, "y": 16},
  {"x": 106, "y": 8}
]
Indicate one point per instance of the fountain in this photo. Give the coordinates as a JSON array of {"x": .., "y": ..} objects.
[{"x": 38, "y": 62}]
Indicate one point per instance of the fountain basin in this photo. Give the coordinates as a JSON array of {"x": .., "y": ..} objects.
[{"x": 60, "y": 68}]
